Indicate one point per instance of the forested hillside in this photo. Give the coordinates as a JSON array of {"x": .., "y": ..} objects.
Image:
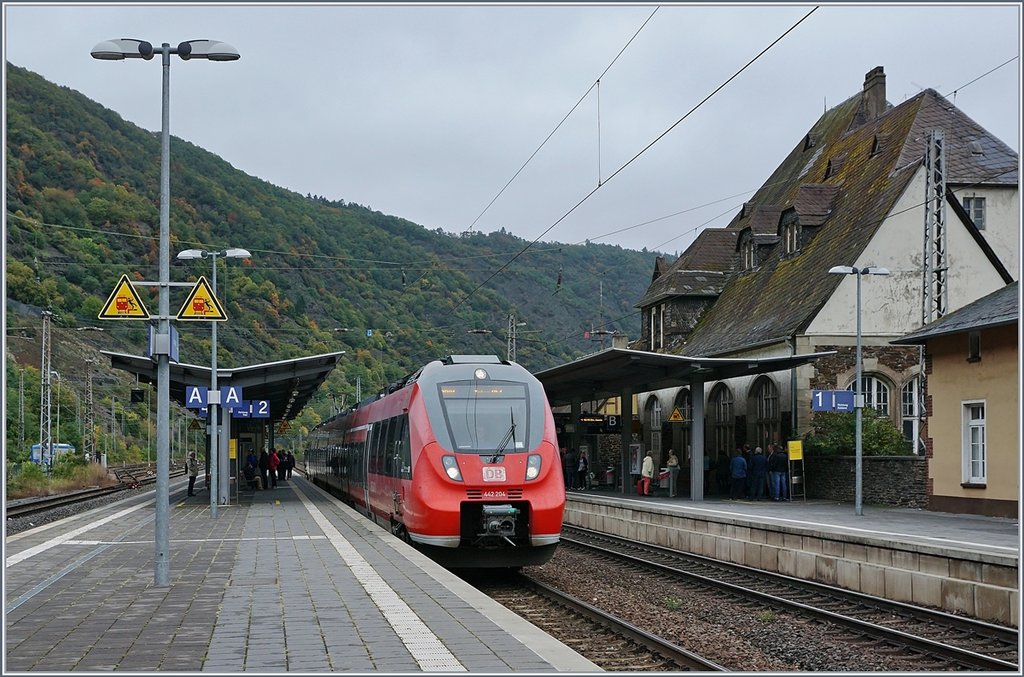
[{"x": 83, "y": 209}]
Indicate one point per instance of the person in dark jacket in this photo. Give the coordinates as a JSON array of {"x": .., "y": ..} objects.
[
  {"x": 778, "y": 469},
  {"x": 569, "y": 468},
  {"x": 289, "y": 463},
  {"x": 265, "y": 468},
  {"x": 759, "y": 474},
  {"x": 738, "y": 475}
]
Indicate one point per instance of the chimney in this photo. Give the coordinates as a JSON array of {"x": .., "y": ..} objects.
[
  {"x": 874, "y": 92},
  {"x": 620, "y": 340}
]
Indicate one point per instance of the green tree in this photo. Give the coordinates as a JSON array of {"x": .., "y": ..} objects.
[{"x": 835, "y": 434}]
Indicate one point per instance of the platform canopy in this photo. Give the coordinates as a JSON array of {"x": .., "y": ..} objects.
[
  {"x": 287, "y": 385},
  {"x": 614, "y": 370}
]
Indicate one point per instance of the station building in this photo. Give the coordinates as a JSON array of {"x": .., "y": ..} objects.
[{"x": 919, "y": 189}]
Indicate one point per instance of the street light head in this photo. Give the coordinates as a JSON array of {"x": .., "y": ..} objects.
[
  {"x": 207, "y": 49},
  {"x": 237, "y": 253},
  {"x": 122, "y": 48},
  {"x": 841, "y": 270},
  {"x": 191, "y": 254},
  {"x": 874, "y": 270}
]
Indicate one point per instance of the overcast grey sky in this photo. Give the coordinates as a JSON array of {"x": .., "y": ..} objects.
[{"x": 425, "y": 112}]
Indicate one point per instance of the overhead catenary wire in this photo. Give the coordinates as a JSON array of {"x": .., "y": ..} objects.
[
  {"x": 561, "y": 122},
  {"x": 633, "y": 159}
]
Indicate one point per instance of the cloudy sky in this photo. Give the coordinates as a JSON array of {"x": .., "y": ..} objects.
[{"x": 427, "y": 112}]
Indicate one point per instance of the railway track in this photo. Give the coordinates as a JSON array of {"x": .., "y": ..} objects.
[
  {"x": 939, "y": 640},
  {"x": 609, "y": 642},
  {"x": 135, "y": 476},
  {"x": 32, "y": 506}
]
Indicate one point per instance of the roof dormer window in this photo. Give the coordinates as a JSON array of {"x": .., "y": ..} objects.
[
  {"x": 828, "y": 169},
  {"x": 791, "y": 237},
  {"x": 875, "y": 145},
  {"x": 749, "y": 252}
]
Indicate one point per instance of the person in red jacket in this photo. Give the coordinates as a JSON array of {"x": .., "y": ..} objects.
[{"x": 272, "y": 464}]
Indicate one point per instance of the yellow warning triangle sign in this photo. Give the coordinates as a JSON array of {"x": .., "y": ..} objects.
[
  {"x": 676, "y": 417},
  {"x": 202, "y": 304},
  {"x": 124, "y": 303},
  {"x": 195, "y": 425}
]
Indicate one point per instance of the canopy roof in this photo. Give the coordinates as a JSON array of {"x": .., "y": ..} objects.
[
  {"x": 287, "y": 385},
  {"x": 611, "y": 371}
]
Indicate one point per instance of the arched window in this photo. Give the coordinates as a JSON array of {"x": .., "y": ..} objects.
[
  {"x": 655, "y": 414},
  {"x": 654, "y": 419},
  {"x": 910, "y": 409},
  {"x": 722, "y": 422},
  {"x": 876, "y": 393},
  {"x": 768, "y": 422},
  {"x": 685, "y": 407}
]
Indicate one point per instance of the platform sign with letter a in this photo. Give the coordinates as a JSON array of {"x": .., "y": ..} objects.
[
  {"x": 124, "y": 303},
  {"x": 201, "y": 304}
]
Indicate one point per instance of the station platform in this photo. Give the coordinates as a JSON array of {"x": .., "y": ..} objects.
[
  {"x": 961, "y": 563},
  {"x": 287, "y": 580}
]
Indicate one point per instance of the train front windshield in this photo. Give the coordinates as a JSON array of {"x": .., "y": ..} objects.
[{"x": 486, "y": 418}]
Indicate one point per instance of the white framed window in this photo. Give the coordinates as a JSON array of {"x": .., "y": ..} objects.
[
  {"x": 791, "y": 232},
  {"x": 910, "y": 409},
  {"x": 657, "y": 326},
  {"x": 975, "y": 461},
  {"x": 656, "y": 415},
  {"x": 749, "y": 253},
  {"x": 876, "y": 393},
  {"x": 975, "y": 208}
]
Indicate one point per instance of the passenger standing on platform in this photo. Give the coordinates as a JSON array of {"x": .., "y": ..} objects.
[
  {"x": 738, "y": 474},
  {"x": 722, "y": 473},
  {"x": 775, "y": 471},
  {"x": 289, "y": 460},
  {"x": 568, "y": 471},
  {"x": 265, "y": 468},
  {"x": 758, "y": 473},
  {"x": 273, "y": 461},
  {"x": 583, "y": 471},
  {"x": 747, "y": 453},
  {"x": 673, "y": 472},
  {"x": 646, "y": 473},
  {"x": 193, "y": 472}
]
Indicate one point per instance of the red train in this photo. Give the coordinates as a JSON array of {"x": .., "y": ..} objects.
[{"x": 459, "y": 458}]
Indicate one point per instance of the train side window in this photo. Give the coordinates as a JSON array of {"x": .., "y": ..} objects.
[
  {"x": 404, "y": 449},
  {"x": 374, "y": 444},
  {"x": 388, "y": 446}
]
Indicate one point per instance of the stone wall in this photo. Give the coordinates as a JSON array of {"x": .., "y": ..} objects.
[{"x": 900, "y": 481}]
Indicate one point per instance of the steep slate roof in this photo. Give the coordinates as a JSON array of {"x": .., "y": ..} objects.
[
  {"x": 699, "y": 271},
  {"x": 999, "y": 308},
  {"x": 782, "y": 295}
]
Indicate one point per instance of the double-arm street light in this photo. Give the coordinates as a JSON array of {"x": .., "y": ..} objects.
[
  {"x": 214, "y": 394},
  {"x": 858, "y": 404},
  {"x": 128, "y": 48}
]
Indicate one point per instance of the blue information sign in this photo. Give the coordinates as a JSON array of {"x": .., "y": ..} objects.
[
  {"x": 832, "y": 400},
  {"x": 843, "y": 400}
]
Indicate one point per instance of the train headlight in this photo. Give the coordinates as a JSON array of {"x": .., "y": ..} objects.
[
  {"x": 532, "y": 466},
  {"x": 451, "y": 466}
]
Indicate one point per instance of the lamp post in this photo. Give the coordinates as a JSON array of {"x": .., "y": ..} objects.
[
  {"x": 858, "y": 404},
  {"x": 128, "y": 48},
  {"x": 214, "y": 394}
]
